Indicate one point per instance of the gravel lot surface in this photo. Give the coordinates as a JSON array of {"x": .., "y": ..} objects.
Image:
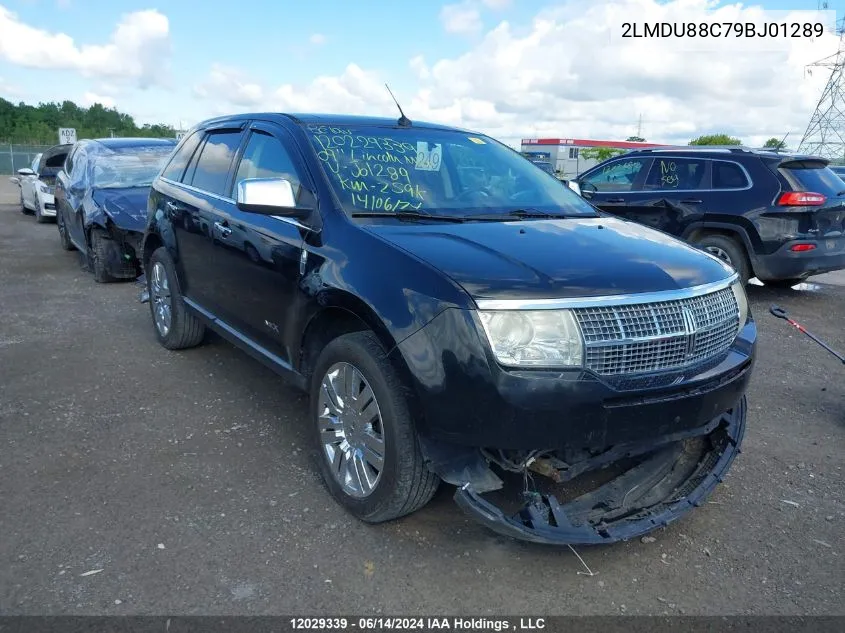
[{"x": 134, "y": 480}]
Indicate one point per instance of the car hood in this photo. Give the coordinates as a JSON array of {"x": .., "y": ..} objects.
[
  {"x": 556, "y": 258},
  {"x": 127, "y": 207}
]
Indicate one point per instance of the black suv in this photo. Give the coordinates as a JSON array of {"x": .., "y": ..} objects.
[
  {"x": 774, "y": 215},
  {"x": 455, "y": 313}
]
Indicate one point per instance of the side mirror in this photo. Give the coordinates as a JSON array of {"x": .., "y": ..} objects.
[
  {"x": 16, "y": 181},
  {"x": 269, "y": 196},
  {"x": 26, "y": 171},
  {"x": 587, "y": 190}
]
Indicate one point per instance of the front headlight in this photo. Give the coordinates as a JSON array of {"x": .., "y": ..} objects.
[
  {"x": 44, "y": 188},
  {"x": 741, "y": 302},
  {"x": 534, "y": 338}
]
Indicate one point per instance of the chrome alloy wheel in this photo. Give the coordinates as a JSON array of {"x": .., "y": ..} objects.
[
  {"x": 720, "y": 253},
  {"x": 351, "y": 429},
  {"x": 160, "y": 299}
]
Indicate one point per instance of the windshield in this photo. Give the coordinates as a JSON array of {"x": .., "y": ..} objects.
[
  {"x": 437, "y": 172},
  {"x": 131, "y": 167}
]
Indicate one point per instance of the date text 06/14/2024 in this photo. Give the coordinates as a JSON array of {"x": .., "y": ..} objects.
[
  {"x": 722, "y": 29},
  {"x": 418, "y": 624}
]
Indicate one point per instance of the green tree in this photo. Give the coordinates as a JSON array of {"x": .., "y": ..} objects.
[
  {"x": 635, "y": 139},
  {"x": 715, "y": 139},
  {"x": 23, "y": 123},
  {"x": 774, "y": 143},
  {"x": 600, "y": 154}
]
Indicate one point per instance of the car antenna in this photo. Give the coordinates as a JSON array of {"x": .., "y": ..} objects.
[{"x": 403, "y": 120}]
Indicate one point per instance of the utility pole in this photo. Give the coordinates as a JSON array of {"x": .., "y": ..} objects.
[
  {"x": 825, "y": 134},
  {"x": 640, "y": 126}
]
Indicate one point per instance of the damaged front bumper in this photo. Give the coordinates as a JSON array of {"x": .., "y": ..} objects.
[{"x": 656, "y": 483}]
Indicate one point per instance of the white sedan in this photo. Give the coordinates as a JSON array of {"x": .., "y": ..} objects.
[{"x": 37, "y": 180}]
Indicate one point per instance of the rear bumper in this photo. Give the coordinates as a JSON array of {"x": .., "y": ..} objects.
[
  {"x": 544, "y": 519},
  {"x": 828, "y": 255}
]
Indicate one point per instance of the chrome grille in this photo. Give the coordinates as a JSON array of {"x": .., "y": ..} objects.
[{"x": 665, "y": 335}]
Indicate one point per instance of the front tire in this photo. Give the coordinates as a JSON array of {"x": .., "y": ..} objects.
[
  {"x": 367, "y": 448},
  {"x": 97, "y": 257},
  {"x": 174, "y": 326}
]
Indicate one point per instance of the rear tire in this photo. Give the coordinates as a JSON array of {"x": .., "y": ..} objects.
[
  {"x": 64, "y": 238},
  {"x": 374, "y": 406},
  {"x": 174, "y": 326},
  {"x": 729, "y": 251}
]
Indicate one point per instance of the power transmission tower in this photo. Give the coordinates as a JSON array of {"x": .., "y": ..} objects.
[{"x": 825, "y": 134}]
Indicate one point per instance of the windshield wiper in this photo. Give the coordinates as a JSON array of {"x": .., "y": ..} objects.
[
  {"x": 407, "y": 215},
  {"x": 523, "y": 214}
]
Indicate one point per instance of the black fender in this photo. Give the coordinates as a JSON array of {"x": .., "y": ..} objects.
[{"x": 747, "y": 236}]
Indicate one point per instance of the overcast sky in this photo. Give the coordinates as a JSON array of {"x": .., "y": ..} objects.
[{"x": 509, "y": 68}]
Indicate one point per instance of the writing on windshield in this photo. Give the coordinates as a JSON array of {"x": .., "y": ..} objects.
[
  {"x": 374, "y": 173},
  {"x": 384, "y": 169}
]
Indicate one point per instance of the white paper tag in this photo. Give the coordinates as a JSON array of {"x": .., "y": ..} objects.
[{"x": 429, "y": 159}]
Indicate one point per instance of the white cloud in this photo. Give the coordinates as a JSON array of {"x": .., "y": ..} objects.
[
  {"x": 227, "y": 81},
  {"x": 90, "y": 98},
  {"x": 317, "y": 39},
  {"x": 569, "y": 74},
  {"x": 461, "y": 18},
  {"x": 137, "y": 50}
]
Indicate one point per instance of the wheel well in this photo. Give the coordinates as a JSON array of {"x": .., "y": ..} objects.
[
  {"x": 322, "y": 329},
  {"x": 152, "y": 242},
  {"x": 698, "y": 234}
]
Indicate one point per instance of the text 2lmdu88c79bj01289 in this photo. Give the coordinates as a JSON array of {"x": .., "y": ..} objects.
[{"x": 456, "y": 314}]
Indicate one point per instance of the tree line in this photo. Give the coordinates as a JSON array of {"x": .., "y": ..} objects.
[
  {"x": 39, "y": 125},
  {"x": 603, "y": 153}
]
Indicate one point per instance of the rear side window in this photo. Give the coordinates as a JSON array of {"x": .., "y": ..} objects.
[
  {"x": 669, "y": 173},
  {"x": 728, "y": 176},
  {"x": 212, "y": 167},
  {"x": 813, "y": 176},
  {"x": 176, "y": 167}
]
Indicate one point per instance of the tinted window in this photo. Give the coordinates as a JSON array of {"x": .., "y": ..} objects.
[
  {"x": 68, "y": 167},
  {"x": 266, "y": 157},
  {"x": 618, "y": 175},
  {"x": 728, "y": 176},
  {"x": 436, "y": 171},
  {"x": 176, "y": 167},
  {"x": 668, "y": 173},
  {"x": 212, "y": 169},
  {"x": 812, "y": 176}
]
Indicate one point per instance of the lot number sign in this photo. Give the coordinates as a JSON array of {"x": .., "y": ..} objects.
[{"x": 67, "y": 135}]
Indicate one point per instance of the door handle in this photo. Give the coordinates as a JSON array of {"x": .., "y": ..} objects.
[
  {"x": 616, "y": 200},
  {"x": 691, "y": 201},
  {"x": 225, "y": 231}
]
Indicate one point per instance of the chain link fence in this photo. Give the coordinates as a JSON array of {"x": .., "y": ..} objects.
[{"x": 14, "y": 157}]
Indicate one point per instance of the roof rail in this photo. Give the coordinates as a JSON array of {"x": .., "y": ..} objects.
[{"x": 698, "y": 148}]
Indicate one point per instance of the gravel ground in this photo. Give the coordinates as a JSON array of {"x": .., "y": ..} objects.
[{"x": 134, "y": 480}]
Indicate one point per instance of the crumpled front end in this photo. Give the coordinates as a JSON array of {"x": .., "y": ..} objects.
[{"x": 620, "y": 494}]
